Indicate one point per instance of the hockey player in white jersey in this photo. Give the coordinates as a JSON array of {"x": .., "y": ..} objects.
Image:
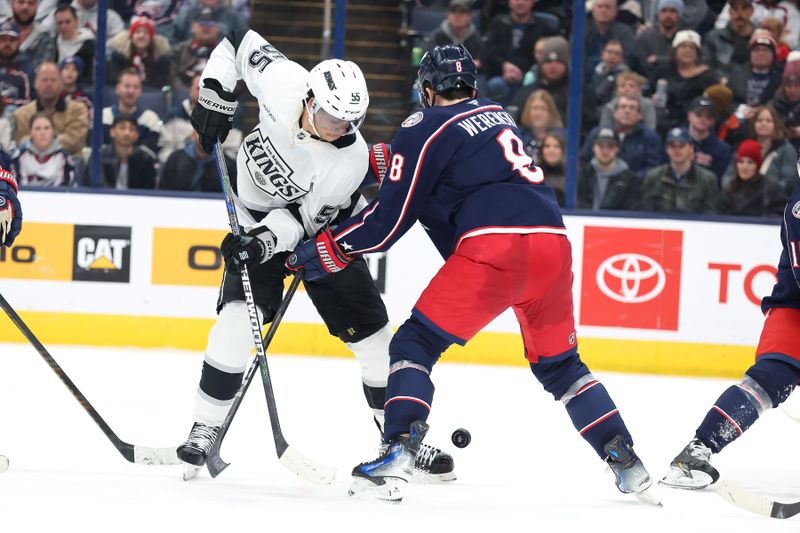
[{"x": 298, "y": 171}]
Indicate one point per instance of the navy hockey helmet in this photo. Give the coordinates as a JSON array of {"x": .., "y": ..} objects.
[{"x": 446, "y": 67}]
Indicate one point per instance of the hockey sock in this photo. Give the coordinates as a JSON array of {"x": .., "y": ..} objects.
[{"x": 594, "y": 414}]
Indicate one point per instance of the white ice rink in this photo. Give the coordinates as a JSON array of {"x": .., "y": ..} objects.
[{"x": 526, "y": 469}]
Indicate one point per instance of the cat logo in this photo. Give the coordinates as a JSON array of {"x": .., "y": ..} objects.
[{"x": 102, "y": 253}]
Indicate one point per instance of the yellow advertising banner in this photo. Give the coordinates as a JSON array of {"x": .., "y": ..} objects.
[
  {"x": 187, "y": 257},
  {"x": 42, "y": 251}
]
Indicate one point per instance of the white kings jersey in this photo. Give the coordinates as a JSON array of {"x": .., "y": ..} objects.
[{"x": 299, "y": 181}]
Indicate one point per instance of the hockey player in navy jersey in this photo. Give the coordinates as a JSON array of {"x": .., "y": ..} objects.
[
  {"x": 767, "y": 383},
  {"x": 297, "y": 171},
  {"x": 459, "y": 168}
]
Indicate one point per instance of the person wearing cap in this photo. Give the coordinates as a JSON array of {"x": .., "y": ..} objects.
[
  {"x": 640, "y": 147},
  {"x": 602, "y": 26},
  {"x": 606, "y": 182},
  {"x": 41, "y": 161},
  {"x": 229, "y": 20},
  {"x": 680, "y": 185},
  {"x": 709, "y": 151},
  {"x": 72, "y": 41},
  {"x": 654, "y": 44},
  {"x": 787, "y": 101},
  {"x": 686, "y": 75},
  {"x": 553, "y": 76},
  {"x": 16, "y": 66},
  {"x": 126, "y": 164},
  {"x": 71, "y": 72},
  {"x": 129, "y": 90},
  {"x": 506, "y": 57},
  {"x": 35, "y": 39},
  {"x": 784, "y": 10},
  {"x": 458, "y": 28},
  {"x": 750, "y": 193},
  {"x": 726, "y": 47},
  {"x": 190, "y": 57},
  {"x": 142, "y": 49},
  {"x": 69, "y": 117},
  {"x": 756, "y": 84}
]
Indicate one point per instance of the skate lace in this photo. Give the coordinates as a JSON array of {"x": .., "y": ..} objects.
[
  {"x": 426, "y": 456},
  {"x": 202, "y": 437}
]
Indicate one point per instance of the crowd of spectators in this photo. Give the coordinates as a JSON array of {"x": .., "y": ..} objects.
[
  {"x": 155, "y": 52},
  {"x": 688, "y": 106}
]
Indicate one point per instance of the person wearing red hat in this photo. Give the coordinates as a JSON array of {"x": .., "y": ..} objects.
[
  {"x": 749, "y": 192},
  {"x": 757, "y": 84},
  {"x": 143, "y": 50}
]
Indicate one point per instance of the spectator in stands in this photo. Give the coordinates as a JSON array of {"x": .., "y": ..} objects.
[
  {"x": 141, "y": 49},
  {"x": 552, "y": 161},
  {"x": 539, "y": 117},
  {"x": 756, "y": 85},
  {"x": 6, "y": 136},
  {"x": 72, "y": 40},
  {"x": 775, "y": 28},
  {"x": 129, "y": 90},
  {"x": 71, "y": 72},
  {"x": 709, "y": 151},
  {"x": 69, "y": 117},
  {"x": 86, "y": 11},
  {"x": 730, "y": 129},
  {"x": 509, "y": 48},
  {"x": 192, "y": 169},
  {"x": 126, "y": 163},
  {"x": 35, "y": 40},
  {"x": 538, "y": 57},
  {"x": 229, "y": 19},
  {"x": 553, "y": 76},
  {"x": 629, "y": 84},
  {"x": 680, "y": 186},
  {"x": 686, "y": 75},
  {"x": 190, "y": 57},
  {"x": 654, "y": 44},
  {"x": 162, "y": 12},
  {"x": 16, "y": 67},
  {"x": 177, "y": 129},
  {"x": 787, "y": 101},
  {"x": 41, "y": 161},
  {"x": 602, "y": 27},
  {"x": 750, "y": 193},
  {"x": 603, "y": 83},
  {"x": 458, "y": 28},
  {"x": 779, "y": 157},
  {"x": 726, "y": 48},
  {"x": 641, "y": 147},
  {"x": 781, "y": 9},
  {"x": 606, "y": 182}
]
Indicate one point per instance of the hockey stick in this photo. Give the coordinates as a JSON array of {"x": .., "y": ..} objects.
[
  {"x": 214, "y": 462},
  {"x": 289, "y": 457},
  {"x": 750, "y": 501},
  {"x": 135, "y": 454}
]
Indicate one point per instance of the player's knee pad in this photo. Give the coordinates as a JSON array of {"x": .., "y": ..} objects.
[
  {"x": 770, "y": 382},
  {"x": 563, "y": 378},
  {"x": 372, "y": 354},
  {"x": 230, "y": 339},
  {"x": 416, "y": 343}
]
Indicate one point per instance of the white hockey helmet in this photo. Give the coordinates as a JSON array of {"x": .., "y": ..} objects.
[{"x": 340, "y": 91}]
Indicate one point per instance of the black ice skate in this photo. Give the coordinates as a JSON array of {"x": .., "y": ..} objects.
[
  {"x": 691, "y": 469},
  {"x": 631, "y": 475},
  {"x": 432, "y": 464},
  {"x": 194, "y": 450},
  {"x": 385, "y": 477}
]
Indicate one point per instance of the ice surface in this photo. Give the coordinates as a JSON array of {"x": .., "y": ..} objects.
[{"x": 525, "y": 470}]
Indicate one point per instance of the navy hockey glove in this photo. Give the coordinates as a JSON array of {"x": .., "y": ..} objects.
[
  {"x": 10, "y": 209},
  {"x": 212, "y": 117},
  {"x": 318, "y": 257},
  {"x": 251, "y": 248},
  {"x": 380, "y": 157}
]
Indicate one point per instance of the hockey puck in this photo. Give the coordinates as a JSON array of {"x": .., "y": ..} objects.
[{"x": 461, "y": 438}]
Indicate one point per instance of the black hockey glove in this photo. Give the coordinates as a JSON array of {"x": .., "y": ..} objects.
[
  {"x": 10, "y": 209},
  {"x": 212, "y": 117},
  {"x": 251, "y": 248}
]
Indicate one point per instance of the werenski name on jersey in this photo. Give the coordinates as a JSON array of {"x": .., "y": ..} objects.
[{"x": 297, "y": 182}]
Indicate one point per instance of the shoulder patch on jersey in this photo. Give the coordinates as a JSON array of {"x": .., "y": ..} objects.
[
  {"x": 796, "y": 210},
  {"x": 412, "y": 120}
]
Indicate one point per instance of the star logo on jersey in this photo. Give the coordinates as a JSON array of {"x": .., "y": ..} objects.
[
  {"x": 346, "y": 247},
  {"x": 796, "y": 210},
  {"x": 412, "y": 120}
]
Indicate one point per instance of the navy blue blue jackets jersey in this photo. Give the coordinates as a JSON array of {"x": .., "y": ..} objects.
[
  {"x": 786, "y": 292},
  {"x": 461, "y": 171}
]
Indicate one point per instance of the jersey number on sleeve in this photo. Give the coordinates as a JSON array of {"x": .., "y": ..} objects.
[
  {"x": 793, "y": 249},
  {"x": 396, "y": 170},
  {"x": 520, "y": 161}
]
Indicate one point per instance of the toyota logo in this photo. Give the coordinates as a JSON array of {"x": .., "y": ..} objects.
[{"x": 628, "y": 272}]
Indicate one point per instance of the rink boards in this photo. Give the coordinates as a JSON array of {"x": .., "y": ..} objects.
[{"x": 651, "y": 295}]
